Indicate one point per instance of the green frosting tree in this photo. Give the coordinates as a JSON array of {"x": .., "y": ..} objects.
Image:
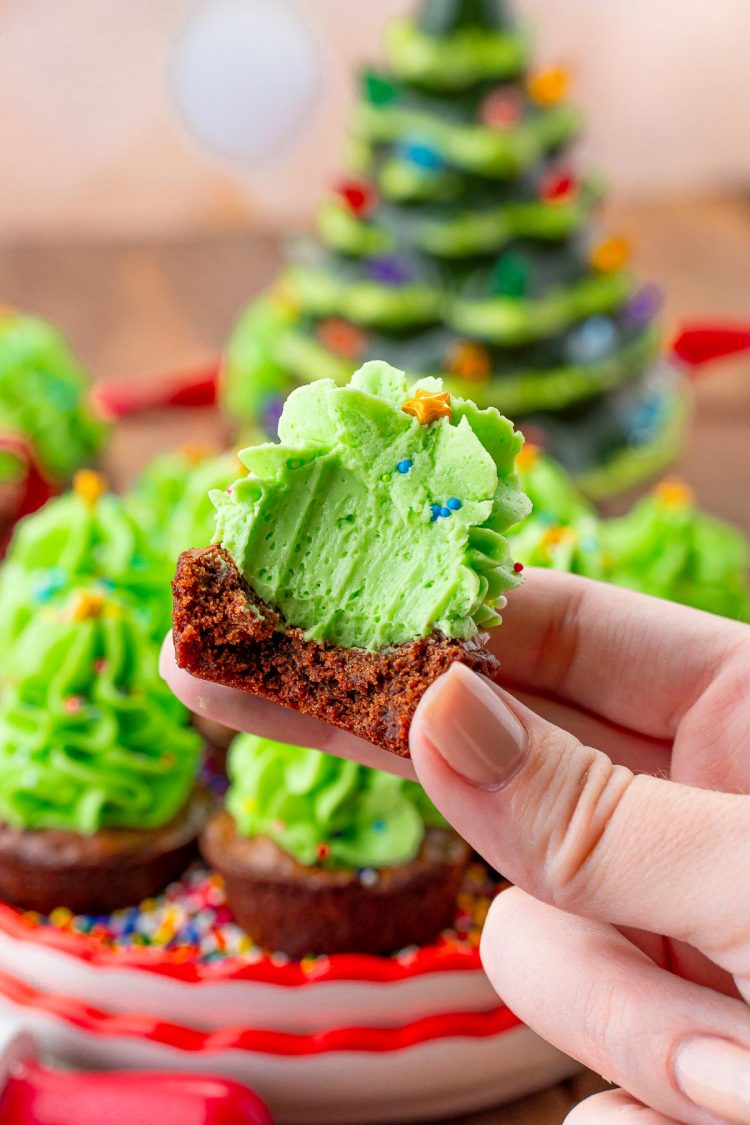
[
  {"x": 379, "y": 517},
  {"x": 665, "y": 546},
  {"x": 44, "y": 397},
  {"x": 87, "y": 535},
  {"x": 90, "y": 735},
  {"x": 465, "y": 246},
  {"x": 325, "y": 810}
]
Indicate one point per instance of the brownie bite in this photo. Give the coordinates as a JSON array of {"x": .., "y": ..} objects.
[
  {"x": 322, "y": 856},
  {"x": 360, "y": 557}
]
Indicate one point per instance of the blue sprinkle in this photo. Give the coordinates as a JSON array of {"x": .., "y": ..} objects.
[
  {"x": 403, "y": 467},
  {"x": 454, "y": 504},
  {"x": 379, "y": 826},
  {"x": 436, "y": 510},
  {"x": 423, "y": 155},
  {"x": 445, "y": 512}
]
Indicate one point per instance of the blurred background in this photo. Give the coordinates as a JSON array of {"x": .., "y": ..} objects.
[
  {"x": 154, "y": 153},
  {"x": 133, "y": 118}
]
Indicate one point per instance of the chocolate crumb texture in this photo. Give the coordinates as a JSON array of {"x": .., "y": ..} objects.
[{"x": 224, "y": 633}]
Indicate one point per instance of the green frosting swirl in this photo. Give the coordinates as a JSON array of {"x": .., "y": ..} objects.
[
  {"x": 665, "y": 546},
  {"x": 90, "y": 736},
  {"x": 74, "y": 540},
  {"x": 668, "y": 547},
  {"x": 508, "y": 320},
  {"x": 471, "y": 148},
  {"x": 44, "y": 395},
  {"x": 453, "y": 232},
  {"x": 456, "y": 61},
  {"x": 324, "y": 810},
  {"x": 170, "y": 498},
  {"x": 328, "y": 530},
  {"x": 323, "y": 293}
]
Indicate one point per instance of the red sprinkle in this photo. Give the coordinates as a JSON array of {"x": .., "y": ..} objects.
[
  {"x": 559, "y": 187},
  {"x": 73, "y": 704},
  {"x": 323, "y": 851},
  {"x": 358, "y": 195},
  {"x": 518, "y": 568}
]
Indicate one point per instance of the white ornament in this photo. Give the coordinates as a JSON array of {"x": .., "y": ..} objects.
[{"x": 245, "y": 76}]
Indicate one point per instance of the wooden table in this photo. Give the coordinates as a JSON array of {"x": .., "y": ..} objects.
[{"x": 157, "y": 307}]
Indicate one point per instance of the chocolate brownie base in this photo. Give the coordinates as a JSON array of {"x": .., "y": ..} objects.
[
  {"x": 116, "y": 867},
  {"x": 223, "y": 632},
  {"x": 300, "y": 911}
]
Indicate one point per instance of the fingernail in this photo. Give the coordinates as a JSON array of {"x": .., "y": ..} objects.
[
  {"x": 715, "y": 1075},
  {"x": 472, "y": 728}
]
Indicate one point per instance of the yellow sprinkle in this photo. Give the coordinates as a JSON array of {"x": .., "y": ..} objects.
[
  {"x": 194, "y": 452},
  {"x": 148, "y": 906},
  {"x": 550, "y": 86},
  {"x": 528, "y": 457},
  {"x": 61, "y": 917},
  {"x": 559, "y": 535},
  {"x": 283, "y": 298},
  {"x": 87, "y": 605},
  {"x": 481, "y": 910},
  {"x": 611, "y": 256},
  {"x": 89, "y": 485},
  {"x": 428, "y": 406},
  {"x": 674, "y": 494},
  {"x": 470, "y": 361},
  {"x": 245, "y": 944}
]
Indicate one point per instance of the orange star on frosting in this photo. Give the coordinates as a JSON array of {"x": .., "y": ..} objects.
[
  {"x": 528, "y": 457},
  {"x": 428, "y": 406},
  {"x": 89, "y": 485},
  {"x": 88, "y": 604},
  {"x": 674, "y": 494}
]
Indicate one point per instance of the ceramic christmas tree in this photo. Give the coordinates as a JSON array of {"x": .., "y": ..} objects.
[{"x": 465, "y": 245}]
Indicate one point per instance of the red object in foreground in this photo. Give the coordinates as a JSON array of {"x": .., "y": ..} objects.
[
  {"x": 36, "y": 1095},
  {"x": 34, "y": 490},
  {"x": 699, "y": 344}
]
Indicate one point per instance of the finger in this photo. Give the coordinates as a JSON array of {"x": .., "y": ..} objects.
[
  {"x": 611, "y": 1008},
  {"x": 639, "y": 753},
  {"x": 243, "y": 712},
  {"x": 636, "y": 661},
  {"x": 616, "y": 1108},
  {"x": 559, "y": 819}
]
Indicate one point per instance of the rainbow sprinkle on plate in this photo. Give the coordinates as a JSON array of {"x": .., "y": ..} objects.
[{"x": 191, "y": 921}]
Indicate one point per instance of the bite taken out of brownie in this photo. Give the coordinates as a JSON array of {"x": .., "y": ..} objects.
[
  {"x": 225, "y": 634},
  {"x": 360, "y": 557}
]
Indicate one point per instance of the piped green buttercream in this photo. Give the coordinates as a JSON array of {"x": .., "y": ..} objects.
[
  {"x": 333, "y": 529},
  {"x": 170, "y": 498},
  {"x": 668, "y": 547},
  {"x": 74, "y": 540},
  {"x": 90, "y": 736},
  {"x": 44, "y": 395},
  {"x": 324, "y": 810}
]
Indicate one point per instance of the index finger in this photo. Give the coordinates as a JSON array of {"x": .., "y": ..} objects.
[
  {"x": 632, "y": 659},
  {"x": 242, "y": 712}
]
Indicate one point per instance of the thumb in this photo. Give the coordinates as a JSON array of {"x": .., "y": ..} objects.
[{"x": 563, "y": 822}]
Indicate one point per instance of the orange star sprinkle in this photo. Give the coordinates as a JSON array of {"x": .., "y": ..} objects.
[
  {"x": 87, "y": 605},
  {"x": 428, "y": 406},
  {"x": 674, "y": 494},
  {"x": 549, "y": 87},
  {"x": 558, "y": 535},
  {"x": 89, "y": 485},
  {"x": 611, "y": 256},
  {"x": 528, "y": 457},
  {"x": 194, "y": 452},
  {"x": 470, "y": 361}
]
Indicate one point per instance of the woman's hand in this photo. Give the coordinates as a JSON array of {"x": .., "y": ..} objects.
[
  {"x": 606, "y": 860},
  {"x": 593, "y": 796}
]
